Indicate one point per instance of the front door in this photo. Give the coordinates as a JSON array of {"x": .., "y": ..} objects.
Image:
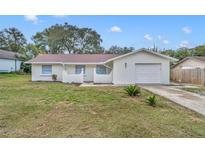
[{"x": 88, "y": 71}]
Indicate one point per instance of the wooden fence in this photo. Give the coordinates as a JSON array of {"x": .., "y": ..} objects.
[{"x": 193, "y": 76}]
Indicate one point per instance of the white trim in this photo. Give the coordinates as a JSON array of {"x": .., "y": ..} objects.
[
  {"x": 81, "y": 63},
  {"x": 107, "y": 66},
  {"x": 43, "y": 62},
  {"x": 78, "y": 63},
  {"x": 45, "y": 74}
]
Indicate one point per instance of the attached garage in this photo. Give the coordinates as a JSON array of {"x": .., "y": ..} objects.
[
  {"x": 143, "y": 67},
  {"x": 148, "y": 73}
]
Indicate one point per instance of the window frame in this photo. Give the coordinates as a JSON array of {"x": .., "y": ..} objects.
[
  {"x": 81, "y": 67},
  {"x": 100, "y": 69},
  {"x": 44, "y": 72}
]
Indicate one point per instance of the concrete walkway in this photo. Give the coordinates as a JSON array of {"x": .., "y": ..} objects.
[
  {"x": 190, "y": 100},
  {"x": 91, "y": 84}
]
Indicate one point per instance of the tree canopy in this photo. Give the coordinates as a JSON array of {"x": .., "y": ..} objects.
[
  {"x": 68, "y": 39},
  {"x": 119, "y": 50},
  {"x": 65, "y": 38},
  {"x": 12, "y": 39},
  {"x": 186, "y": 52}
]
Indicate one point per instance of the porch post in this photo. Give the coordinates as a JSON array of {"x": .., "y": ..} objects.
[
  {"x": 82, "y": 75},
  {"x": 63, "y": 73}
]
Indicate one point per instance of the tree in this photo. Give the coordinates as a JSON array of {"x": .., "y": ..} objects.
[
  {"x": 182, "y": 53},
  {"x": 12, "y": 39},
  {"x": 171, "y": 53},
  {"x": 119, "y": 50},
  {"x": 199, "y": 50},
  {"x": 68, "y": 39},
  {"x": 32, "y": 51},
  {"x": 89, "y": 41},
  {"x": 49, "y": 41}
]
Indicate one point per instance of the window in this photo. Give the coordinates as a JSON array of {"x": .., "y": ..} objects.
[
  {"x": 47, "y": 69},
  {"x": 79, "y": 68},
  {"x": 101, "y": 69}
]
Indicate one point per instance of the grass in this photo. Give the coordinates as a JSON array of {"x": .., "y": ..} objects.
[
  {"x": 198, "y": 90},
  {"x": 45, "y": 109}
]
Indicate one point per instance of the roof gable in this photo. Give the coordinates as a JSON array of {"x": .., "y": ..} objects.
[
  {"x": 8, "y": 54},
  {"x": 197, "y": 58},
  {"x": 146, "y": 51},
  {"x": 202, "y": 59}
]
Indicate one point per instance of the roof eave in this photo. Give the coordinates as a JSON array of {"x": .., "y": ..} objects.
[
  {"x": 74, "y": 63},
  {"x": 42, "y": 62}
]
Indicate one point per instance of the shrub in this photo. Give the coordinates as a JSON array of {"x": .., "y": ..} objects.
[
  {"x": 54, "y": 77},
  {"x": 151, "y": 100},
  {"x": 132, "y": 90},
  {"x": 26, "y": 68}
]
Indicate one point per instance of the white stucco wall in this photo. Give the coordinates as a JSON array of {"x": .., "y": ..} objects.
[
  {"x": 122, "y": 75},
  {"x": 103, "y": 78},
  {"x": 72, "y": 78},
  {"x": 89, "y": 71},
  {"x": 58, "y": 69},
  {"x": 8, "y": 65},
  {"x": 38, "y": 76}
]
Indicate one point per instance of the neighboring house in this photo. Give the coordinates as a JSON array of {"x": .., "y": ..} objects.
[
  {"x": 9, "y": 61},
  {"x": 190, "y": 63},
  {"x": 135, "y": 67},
  {"x": 189, "y": 70}
]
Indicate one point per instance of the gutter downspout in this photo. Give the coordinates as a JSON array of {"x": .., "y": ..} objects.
[{"x": 15, "y": 65}]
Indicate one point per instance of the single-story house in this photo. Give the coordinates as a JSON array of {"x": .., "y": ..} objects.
[
  {"x": 9, "y": 61},
  {"x": 141, "y": 66},
  {"x": 189, "y": 70},
  {"x": 190, "y": 63}
]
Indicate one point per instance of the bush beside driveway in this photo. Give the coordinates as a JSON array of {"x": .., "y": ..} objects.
[{"x": 187, "y": 99}]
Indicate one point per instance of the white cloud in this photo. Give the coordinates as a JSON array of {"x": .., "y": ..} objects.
[
  {"x": 115, "y": 29},
  {"x": 184, "y": 44},
  {"x": 60, "y": 16},
  {"x": 159, "y": 37},
  {"x": 187, "y": 30},
  {"x": 31, "y": 18},
  {"x": 165, "y": 41},
  {"x": 148, "y": 37}
]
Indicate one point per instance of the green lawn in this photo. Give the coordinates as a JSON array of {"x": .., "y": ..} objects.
[
  {"x": 45, "y": 109},
  {"x": 199, "y": 90}
]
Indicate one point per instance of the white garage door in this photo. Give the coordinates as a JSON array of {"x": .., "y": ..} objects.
[{"x": 148, "y": 73}]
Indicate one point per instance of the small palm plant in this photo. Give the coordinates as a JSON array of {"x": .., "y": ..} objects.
[
  {"x": 132, "y": 90},
  {"x": 151, "y": 100}
]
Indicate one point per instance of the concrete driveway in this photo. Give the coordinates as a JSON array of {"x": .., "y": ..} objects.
[{"x": 190, "y": 100}]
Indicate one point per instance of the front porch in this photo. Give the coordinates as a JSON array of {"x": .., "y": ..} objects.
[{"x": 87, "y": 73}]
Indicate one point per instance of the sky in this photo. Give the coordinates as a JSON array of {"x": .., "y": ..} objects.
[{"x": 166, "y": 32}]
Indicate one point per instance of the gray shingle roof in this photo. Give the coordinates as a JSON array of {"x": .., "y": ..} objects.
[
  {"x": 8, "y": 54},
  {"x": 72, "y": 58},
  {"x": 200, "y": 58}
]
